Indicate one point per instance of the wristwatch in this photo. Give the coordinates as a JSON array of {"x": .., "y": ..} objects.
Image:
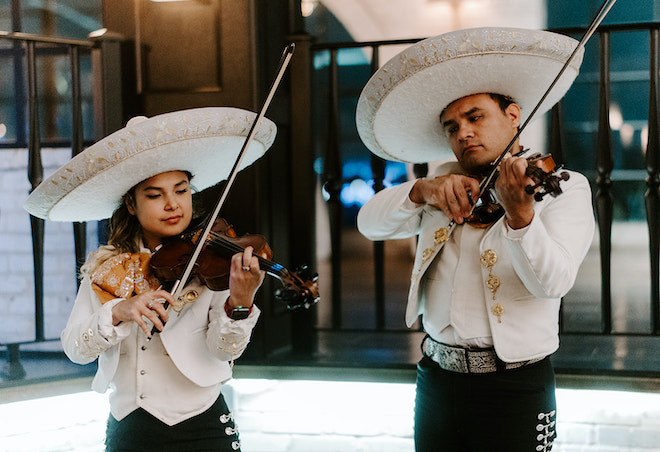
[{"x": 237, "y": 313}]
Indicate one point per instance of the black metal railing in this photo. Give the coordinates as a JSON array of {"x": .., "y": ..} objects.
[
  {"x": 332, "y": 85},
  {"x": 331, "y": 95},
  {"x": 24, "y": 52}
]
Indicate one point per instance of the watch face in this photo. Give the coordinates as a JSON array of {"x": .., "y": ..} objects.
[{"x": 240, "y": 313}]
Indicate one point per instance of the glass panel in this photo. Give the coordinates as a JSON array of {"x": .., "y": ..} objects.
[
  {"x": 8, "y": 126},
  {"x": 62, "y": 18},
  {"x": 54, "y": 98}
]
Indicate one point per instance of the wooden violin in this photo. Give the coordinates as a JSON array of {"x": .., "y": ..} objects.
[
  {"x": 545, "y": 175},
  {"x": 300, "y": 288}
]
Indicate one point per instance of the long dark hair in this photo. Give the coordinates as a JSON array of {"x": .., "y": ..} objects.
[{"x": 125, "y": 229}]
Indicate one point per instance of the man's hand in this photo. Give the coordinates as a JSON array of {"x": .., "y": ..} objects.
[
  {"x": 510, "y": 188},
  {"x": 452, "y": 193}
]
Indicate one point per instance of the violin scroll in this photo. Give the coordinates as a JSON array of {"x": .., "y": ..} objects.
[
  {"x": 299, "y": 288},
  {"x": 545, "y": 176}
]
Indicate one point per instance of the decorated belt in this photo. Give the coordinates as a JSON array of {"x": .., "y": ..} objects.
[{"x": 466, "y": 360}]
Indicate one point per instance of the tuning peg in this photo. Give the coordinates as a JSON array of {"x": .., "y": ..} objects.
[
  {"x": 286, "y": 295},
  {"x": 538, "y": 196},
  {"x": 305, "y": 273}
]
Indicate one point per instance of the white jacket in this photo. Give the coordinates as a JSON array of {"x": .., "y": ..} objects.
[
  {"x": 536, "y": 267},
  {"x": 201, "y": 341}
]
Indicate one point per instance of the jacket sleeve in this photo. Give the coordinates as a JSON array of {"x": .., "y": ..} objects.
[
  {"x": 226, "y": 338},
  {"x": 390, "y": 214},
  {"x": 548, "y": 254},
  {"x": 89, "y": 331}
]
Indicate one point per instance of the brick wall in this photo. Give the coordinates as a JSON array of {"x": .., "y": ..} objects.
[{"x": 16, "y": 265}]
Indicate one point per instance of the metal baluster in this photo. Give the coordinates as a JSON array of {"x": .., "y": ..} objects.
[
  {"x": 35, "y": 176},
  {"x": 652, "y": 195},
  {"x": 332, "y": 173},
  {"x": 378, "y": 173},
  {"x": 604, "y": 199},
  {"x": 79, "y": 229},
  {"x": 14, "y": 368}
]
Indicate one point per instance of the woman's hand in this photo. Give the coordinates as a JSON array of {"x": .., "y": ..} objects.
[
  {"x": 245, "y": 278},
  {"x": 148, "y": 304}
]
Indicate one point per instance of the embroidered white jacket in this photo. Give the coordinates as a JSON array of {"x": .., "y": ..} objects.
[
  {"x": 535, "y": 268},
  {"x": 200, "y": 342}
]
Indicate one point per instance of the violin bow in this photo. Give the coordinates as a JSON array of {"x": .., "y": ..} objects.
[
  {"x": 179, "y": 283},
  {"x": 604, "y": 9}
]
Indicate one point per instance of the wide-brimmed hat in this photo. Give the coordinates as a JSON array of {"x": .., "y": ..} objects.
[
  {"x": 203, "y": 141},
  {"x": 398, "y": 111}
]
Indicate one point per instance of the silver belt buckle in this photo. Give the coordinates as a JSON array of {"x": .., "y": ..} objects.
[
  {"x": 483, "y": 361},
  {"x": 461, "y": 360},
  {"x": 453, "y": 359}
]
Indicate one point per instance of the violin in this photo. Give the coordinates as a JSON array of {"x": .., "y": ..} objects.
[
  {"x": 300, "y": 288},
  {"x": 545, "y": 175}
]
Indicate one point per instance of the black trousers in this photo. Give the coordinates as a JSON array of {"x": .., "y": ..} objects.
[
  {"x": 214, "y": 430},
  {"x": 511, "y": 410}
]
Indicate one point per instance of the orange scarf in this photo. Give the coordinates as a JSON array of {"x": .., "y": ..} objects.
[{"x": 122, "y": 276}]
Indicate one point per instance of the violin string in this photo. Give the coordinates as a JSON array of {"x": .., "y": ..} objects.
[
  {"x": 218, "y": 239},
  {"x": 272, "y": 268}
]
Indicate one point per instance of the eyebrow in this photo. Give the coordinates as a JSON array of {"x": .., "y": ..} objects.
[
  {"x": 467, "y": 113},
  {"x": 177, "y": 185}
]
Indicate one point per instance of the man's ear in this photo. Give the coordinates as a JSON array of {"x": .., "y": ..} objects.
[{"x": 513, "y": 112}]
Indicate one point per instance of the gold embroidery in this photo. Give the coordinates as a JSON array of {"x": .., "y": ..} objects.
[
  {"x": 122, "y": 276},
  {"x": 426, "y": 254},
  {"x": 188, "y": 297},
  {"x": 440, "y": 236},
  {"x": 488, "y": 260},
  {"x": 498, "y": 310},
  {"x": 493, "y": 284}
]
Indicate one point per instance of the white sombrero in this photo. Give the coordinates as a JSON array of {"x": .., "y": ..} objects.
[
  {"x": 398, "y": 111},
  {"x": 203, "y": 141}
]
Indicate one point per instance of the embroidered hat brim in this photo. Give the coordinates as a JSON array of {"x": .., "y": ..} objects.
[
  {"x": 203, "y": 141},
  {"x": 398, "y": 110}
]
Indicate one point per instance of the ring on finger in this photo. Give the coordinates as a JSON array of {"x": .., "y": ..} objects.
[
  {"x": 246, "y": 268},
  {"x": 151, "y": 304}
]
